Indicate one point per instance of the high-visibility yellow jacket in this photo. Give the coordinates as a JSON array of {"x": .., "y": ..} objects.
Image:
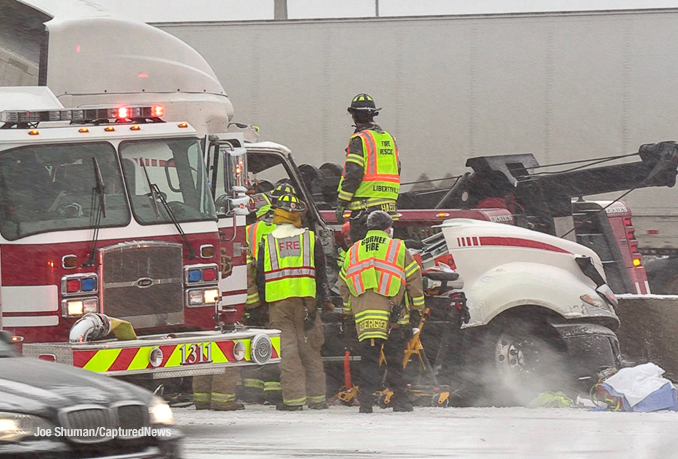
[
  {"x": 372, "y": 155},
  {"x": 254, "y": 234},
  {"x": 262, "y": 204},
  {"x": 289, "y": 267},
  {"x": 377, "y": 273}
]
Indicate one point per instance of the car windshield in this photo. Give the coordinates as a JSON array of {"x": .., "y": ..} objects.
[
  {"x": 50, "y": 187},
  {"x": 169, "y": 170}
]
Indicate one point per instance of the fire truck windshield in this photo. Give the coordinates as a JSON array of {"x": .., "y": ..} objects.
[
  {"x": 176, "y": 168},
  {"x": 47, "y": 188}
]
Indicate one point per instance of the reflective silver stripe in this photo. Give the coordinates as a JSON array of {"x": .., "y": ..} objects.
[
  {"x": 392, "y": 252},
  {"x": 372, "y": 314},
  {"x": 290, "y": 272},
  {"x": 384, "y": 282},
  {"x": 372, "y": 161},
  {"x": 371, "y": 262},
  {"x": 306, "y": 247},
  {"x": 272, "y": 251}
]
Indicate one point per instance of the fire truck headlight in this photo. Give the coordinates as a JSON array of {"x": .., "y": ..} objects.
[
  {"x": 79, "y": 307},
  {"x": 195, "y": 297},
  {"x": 90, "y": 305},
  {"x": 161, "y": 413},
  {"x": 211, "y": 295},
  {"x": 74, "y": 308}
]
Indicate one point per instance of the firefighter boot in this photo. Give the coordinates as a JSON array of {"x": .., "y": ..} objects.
[
  {"x": 401, "y": 403},
  {"x": 366, "y": 401},
  {"x": 284, "y": 407},
  {"x": 318, "y": 406}
]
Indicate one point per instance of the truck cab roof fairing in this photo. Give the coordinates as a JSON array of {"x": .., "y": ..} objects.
[{"x": 85, "y": 54}]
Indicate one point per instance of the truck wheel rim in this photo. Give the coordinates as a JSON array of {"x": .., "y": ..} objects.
[{"x": 515, "y": 357}]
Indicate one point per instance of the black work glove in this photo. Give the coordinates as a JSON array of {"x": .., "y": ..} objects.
[
  {"x": 464, "y": 311},
  {"x": 309, "y": 320},
  {"x": 408, "y": 332},
  {"x": 339, "y": 213},
  {"x": 258, "y": 317},
  {"x": 415, "y": 318}
]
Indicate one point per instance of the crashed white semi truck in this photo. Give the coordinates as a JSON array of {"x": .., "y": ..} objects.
[{"x": 562, "y": 86}]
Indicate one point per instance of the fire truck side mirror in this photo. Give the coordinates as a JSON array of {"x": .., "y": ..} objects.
[{"x": 235, "y": 173}]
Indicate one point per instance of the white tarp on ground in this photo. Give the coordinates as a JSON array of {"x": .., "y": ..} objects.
[
  {"x": 262, "y": 432},
  {"x": 637, "y": 382},
  {"x": 642, "y": 383}
]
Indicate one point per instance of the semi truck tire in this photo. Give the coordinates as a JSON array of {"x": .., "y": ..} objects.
[{"x": 518, "y": 360}]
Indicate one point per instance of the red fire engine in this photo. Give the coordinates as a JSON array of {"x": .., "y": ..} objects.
[{"x": 107, "y": 212}]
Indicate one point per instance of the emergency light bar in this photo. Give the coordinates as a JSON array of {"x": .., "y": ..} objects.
[{"x": 82, "y": 114}]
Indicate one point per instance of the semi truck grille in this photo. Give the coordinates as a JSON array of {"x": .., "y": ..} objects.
[
  {"x": 142, "y": 283},
  {"x": 87, "y": 425}
]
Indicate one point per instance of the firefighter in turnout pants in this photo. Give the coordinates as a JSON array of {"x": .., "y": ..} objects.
[
  {"x": 377, "y": 275},
  {"x": 371, "y": 177},
  {"x": 260, "y": 384},
  {"x": 217, "y": 392},
  {"x": 291, "y": 279}
]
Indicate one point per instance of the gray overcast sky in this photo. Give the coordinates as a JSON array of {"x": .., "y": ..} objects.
[{"x": 226, "y": 10}]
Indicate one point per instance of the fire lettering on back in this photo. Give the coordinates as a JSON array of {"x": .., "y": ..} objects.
[{"x": 289, "y": 247}]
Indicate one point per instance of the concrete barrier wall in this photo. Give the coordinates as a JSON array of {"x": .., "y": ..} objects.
[{"x": 649, "y": 330}]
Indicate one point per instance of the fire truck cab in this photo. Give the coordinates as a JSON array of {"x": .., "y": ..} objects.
[{"x": 107, "y": 210}]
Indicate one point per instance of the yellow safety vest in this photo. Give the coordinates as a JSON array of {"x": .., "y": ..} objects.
[
  {"x": 262, "y": 203},
  {"x": 377, "y": 264},
  {"x": 254, "y": 234},
  {"x": 381, "y": 179},
  {"x": 289, "y": 267},
  {"x": 341, "y": 257}
]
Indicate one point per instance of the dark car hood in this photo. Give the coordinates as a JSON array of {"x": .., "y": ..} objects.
[{"x": 32, "y": 386}]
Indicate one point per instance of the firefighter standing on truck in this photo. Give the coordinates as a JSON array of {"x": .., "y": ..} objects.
[
  {"x": 371, "y": 177},
  {"x": 291, "y": 279},
  {"x": 260, "y": 385},
  {"x": 377, "y": 275}
]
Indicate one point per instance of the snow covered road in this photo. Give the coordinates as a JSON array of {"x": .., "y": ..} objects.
[{"x": 262, "y": 432}]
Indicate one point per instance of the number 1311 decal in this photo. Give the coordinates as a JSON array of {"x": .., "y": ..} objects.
[{"x": 196, "y": 353}]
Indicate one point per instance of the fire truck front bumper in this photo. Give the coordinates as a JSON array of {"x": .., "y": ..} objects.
[{"x": 166, "y": 356}]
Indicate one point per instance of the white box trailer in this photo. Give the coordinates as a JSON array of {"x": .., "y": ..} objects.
[{"x": 563, "y": 86}]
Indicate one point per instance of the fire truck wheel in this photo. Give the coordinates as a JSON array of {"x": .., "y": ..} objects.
[{"x": 522, "y": 360}]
